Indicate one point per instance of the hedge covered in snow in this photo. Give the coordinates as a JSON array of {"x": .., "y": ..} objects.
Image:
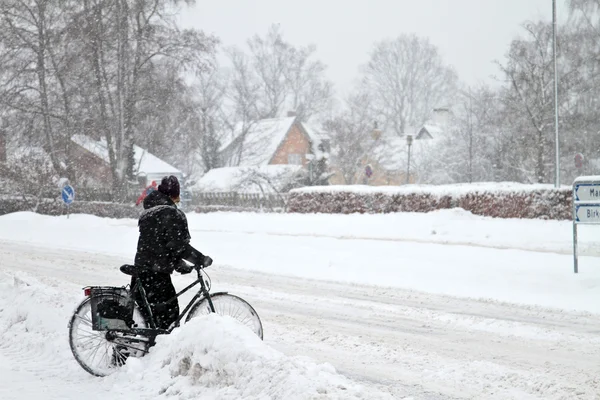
[
  {"x": 55, "y": 207},
  {"x": 501, "y": 200}
]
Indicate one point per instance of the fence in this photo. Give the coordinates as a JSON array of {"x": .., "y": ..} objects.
[
  {"x": 231, "y": 201},
  {"x": 200, "y": 202},
  {"x": 95, "y": 194}
]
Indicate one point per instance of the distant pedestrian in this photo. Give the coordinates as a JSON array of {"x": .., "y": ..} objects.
[{"x": 146, "y": 192}]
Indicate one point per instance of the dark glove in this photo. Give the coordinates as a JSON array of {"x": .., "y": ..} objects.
[
  {"x": 183, "y": 268},
  {"x": 207, "y": 262}
]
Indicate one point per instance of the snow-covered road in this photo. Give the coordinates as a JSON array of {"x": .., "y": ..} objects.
[{"x": 390, "y": 339}]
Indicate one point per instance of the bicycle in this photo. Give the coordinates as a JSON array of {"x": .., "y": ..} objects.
[{"x": 109, "y": 326}]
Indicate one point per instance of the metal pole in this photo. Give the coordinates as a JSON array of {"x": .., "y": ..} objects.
[
  {"x": 408, "y": 166},
  {"x": 575, "y": 258},
  {"x": 557, "y": 166}
]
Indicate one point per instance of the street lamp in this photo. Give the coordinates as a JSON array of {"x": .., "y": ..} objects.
[
  {"x": 376, "y": 132},
  {"x": 409, "y": 140},
  {"x": 557, "y": 144}
]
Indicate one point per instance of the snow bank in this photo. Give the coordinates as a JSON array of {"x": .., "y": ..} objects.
[
  {"x": 215, "y": 357},
  {"x": 33, "y": 325},
  {"x": 451, "y": 252},
  {"x": 211, "y": 357},
  {"x": 452, "y": 226}
]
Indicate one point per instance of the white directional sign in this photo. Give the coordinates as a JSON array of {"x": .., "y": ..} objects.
[
  {"x": 587, "y": 191},
  {"x": 587, "y": 213},
  {"x": 586, "y": 207}
]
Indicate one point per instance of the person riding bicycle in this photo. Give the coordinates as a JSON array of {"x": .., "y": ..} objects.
[{"x": 163, "y": 245}]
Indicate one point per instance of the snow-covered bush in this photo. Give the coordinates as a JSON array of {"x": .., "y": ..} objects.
[
  {"x": 504, "y": 200},
  {"x": 10, "y": 204}
]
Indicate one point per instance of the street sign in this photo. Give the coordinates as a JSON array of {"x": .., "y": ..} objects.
[
  {"x": 579, "y": 160},
  {"x": 587, "y": 213},
  {"x": 587, "y": 191},
  {"x": 586, "y": 207},
  {"x": 68, "y": 194}
]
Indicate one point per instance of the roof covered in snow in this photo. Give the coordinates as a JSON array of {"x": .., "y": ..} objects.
[
  {"x": 434, "y": 131},
  {"x": 260, "y": 140},
  {"x": 145, "y": 161},
  {"x": 391, "y": 151},
  {"x": 259, "y": 179}
]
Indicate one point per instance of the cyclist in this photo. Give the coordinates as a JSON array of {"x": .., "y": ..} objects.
[{"x": 163, "y": 245}]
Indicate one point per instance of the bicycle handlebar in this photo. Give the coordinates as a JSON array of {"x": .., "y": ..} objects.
[{"x": 206, "y": 262}]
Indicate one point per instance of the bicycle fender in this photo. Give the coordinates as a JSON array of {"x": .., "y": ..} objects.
[{"x": 218, "y": 293}]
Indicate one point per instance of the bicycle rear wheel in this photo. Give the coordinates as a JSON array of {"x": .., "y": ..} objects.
[
  {"x": 232, "y": 306},
  {"x": 102, "y": 352}
]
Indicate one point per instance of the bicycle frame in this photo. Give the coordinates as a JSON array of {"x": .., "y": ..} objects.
[{"x": 153, "y": 331}]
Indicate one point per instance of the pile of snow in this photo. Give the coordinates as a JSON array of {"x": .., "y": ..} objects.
[
  {"x": 215, "y": 357},
  {"x": 33, "y": 326},
  {"x": 210, "y": 357}
]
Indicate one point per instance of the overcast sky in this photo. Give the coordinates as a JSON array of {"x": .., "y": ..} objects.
[{"x": 469, "y": 33}]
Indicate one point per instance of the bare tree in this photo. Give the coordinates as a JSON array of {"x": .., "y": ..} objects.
[
  {"x": 528, "y": 97},
  {"x": 270, "y": 61},
  {"x": 143, "y": 31},
  {"x": 474, "y": 133},
  {"x": 583, "y": 112},
  {"x": 277, "y": 76},
  {"x": 407, "y": 78},
  {"x": 310, "y": 92},
  {"x": 350, "y": 136},
  {"x": 212, "y": 89},
  {"x": 84, "y": 66},
  {"x": 27, "y": 30}
]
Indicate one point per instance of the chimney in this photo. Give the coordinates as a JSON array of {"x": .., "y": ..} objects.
[
  {"x": 442, "y": 117},
  {"x": 291, "y": 113}
]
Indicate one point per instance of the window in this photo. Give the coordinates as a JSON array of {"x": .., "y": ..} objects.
[{"x": 295, "y": 159}]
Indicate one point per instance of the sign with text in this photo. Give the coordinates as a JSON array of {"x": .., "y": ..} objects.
[
  {"x": 587, "y": 213},
  {"x": 587, "y": 191},
  {"x": 586, "y": 207}
]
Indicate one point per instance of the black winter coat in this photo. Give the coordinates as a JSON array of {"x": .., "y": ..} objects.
[{"x": 164, "y": 236}]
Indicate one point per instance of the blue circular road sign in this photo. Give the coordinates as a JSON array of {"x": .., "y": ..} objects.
[{"x": 68, "y": 194}]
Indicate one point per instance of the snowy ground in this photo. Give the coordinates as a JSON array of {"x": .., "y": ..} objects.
[{"x": 426, "y": 306}]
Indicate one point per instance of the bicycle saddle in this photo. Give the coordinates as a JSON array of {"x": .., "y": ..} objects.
[{"x": 130, "y": 269}]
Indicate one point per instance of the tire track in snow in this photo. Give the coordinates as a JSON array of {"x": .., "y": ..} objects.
[{"x": 408, "y": 343}]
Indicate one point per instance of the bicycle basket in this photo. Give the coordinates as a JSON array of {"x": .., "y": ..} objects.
[{"x": 112, "y": 308}]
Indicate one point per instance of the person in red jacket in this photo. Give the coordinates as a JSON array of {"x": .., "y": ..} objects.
[{"x": 146, "y": 192}]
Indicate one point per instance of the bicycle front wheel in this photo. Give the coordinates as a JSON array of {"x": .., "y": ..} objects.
[
  {"x": 102, "y": 352},
  {"x": 232, "y": 306}
]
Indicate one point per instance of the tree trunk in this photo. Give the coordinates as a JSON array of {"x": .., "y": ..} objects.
[
  {"x": 43, "y": 89},
  {"x": 94, "y": 20},
  {"x": 540, "y": 169}
]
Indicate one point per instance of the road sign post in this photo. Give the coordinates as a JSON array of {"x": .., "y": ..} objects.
[
  {"x": 368, "y": 173},
  {"x": 68, "y": 196},
  {"x": 579, "y": 159},
  {"x": 586, "y": 208}
]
